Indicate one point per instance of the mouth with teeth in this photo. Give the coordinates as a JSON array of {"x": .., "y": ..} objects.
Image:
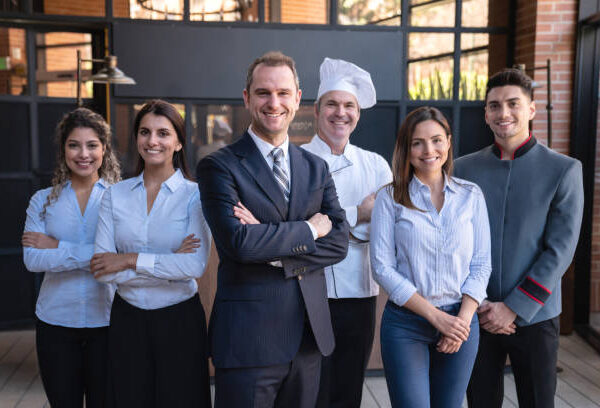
[
  {"x": 152, "y": 151},
  {"x": 273, "y": 115},
  {"x": 430, "y": 159},
  {"x": 83, "y": 164}
]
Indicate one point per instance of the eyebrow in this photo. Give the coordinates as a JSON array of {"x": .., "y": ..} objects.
[{"x": 508, "y": 100}]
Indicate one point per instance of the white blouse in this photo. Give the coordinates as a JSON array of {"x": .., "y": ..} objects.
[{"x": 162, "y": 277}]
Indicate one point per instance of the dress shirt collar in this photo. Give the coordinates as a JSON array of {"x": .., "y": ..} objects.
[
  {"x": 101, "y": 182},
  {"x": 172, "y": 182},
  {"x": 265, "y": 148},
  {"x": 416, "y": 185}
]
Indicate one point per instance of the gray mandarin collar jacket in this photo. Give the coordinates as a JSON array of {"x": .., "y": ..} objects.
[{"x": 535, "y": 205}]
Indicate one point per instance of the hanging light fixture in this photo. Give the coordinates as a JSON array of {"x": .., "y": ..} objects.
[{"x": 108, "y": 74}]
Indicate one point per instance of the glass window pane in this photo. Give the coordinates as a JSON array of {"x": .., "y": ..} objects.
[
  {"x": 123, "y": 135},
  {"x": 56, "y": 73},
  {"x": 223, "y": 10},
  {"x": 216, "y": 126},
  {"x": 13, "y": 62},
  {"x": 473, "y": 66},
  {"x": 483, "y": 13},
  {"x": 297, "y": 12},
  {"x": 377, "y": 12},
  {"x": 12, "y": 5},
  {"x": 432, "y": 13},
  {"x": 149, "y": 9},
  {"x": 430, "y": 65},
  {"x": 71, "y": 7}
]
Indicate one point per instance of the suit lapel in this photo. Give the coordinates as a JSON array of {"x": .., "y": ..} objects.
[
  {"x": 300, "y": 182},
  {"x": 252, "y": 160}
]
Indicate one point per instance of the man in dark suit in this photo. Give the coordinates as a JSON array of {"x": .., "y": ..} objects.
[{"x": 276, "y": 221}]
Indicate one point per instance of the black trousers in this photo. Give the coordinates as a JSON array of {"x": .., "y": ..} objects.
[
  {"x": 343, "y": 372},
  {"x": 291, "y": 385},
  {"x": 72, "y": 364},
  {"x": 158, "y": 358},
  {"x": 533, "y": 354}
]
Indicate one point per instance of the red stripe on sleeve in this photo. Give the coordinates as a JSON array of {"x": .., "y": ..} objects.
[
  {"x": 537, "y": 300},
  {"x": 540, "y": 285}
]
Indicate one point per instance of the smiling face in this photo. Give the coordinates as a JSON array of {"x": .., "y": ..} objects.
[
  {"x": 337, "y": 114},
  {"x": 157, "y": 141},
  {"x": 508, "y": 111},
  {"x": 83, "y": 153},
  {"x": 272, "y": 100},
  {"x": 429, "y": 148}
]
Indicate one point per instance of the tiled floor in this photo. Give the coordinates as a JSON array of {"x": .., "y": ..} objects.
[{"x": 578, "y": 384}]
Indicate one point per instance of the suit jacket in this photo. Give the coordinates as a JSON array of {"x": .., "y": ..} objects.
[{"x": 259, "y": 310}]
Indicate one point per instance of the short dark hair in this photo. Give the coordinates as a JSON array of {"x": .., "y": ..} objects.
[
  {"x": 510, "y": 76},
  {"x": 272, "y": 59},
  {"x": 162, "y": 108}
]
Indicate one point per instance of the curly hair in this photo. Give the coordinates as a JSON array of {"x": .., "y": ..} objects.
[{"x": 110, "y": 170}]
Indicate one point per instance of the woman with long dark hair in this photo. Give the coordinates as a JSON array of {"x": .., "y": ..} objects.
[
  {"x": 430, "y": 251},
  {"x": 72, "y": 309},
  {"x": 153, "y": 242}
]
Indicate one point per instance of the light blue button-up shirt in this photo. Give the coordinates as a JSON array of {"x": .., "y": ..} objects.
[
  {"x": 161, "y": 278},
  {"x": 439, "y": 255},
  {"x": 69, "y": 296}
]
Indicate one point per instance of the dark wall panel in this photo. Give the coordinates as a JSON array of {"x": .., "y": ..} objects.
[
  {"x": 376, "y": 131},
  {"x": 14, "y": 131},
  {"x": 210, "y": 62},
  {"x": 19, "y": 192},
  {"x": 49, "y": 116},
  {"x": 474, "y": 132},
  {"x": 17, "y": 294}
]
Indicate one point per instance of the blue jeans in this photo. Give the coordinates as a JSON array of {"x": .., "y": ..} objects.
[{"x": 417, "y": 375}]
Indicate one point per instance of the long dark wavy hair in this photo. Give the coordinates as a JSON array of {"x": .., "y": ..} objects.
[
  {"x": 162, "y": 108},
  {"x": 402, "y": 169},
  {"x": 110, "y": 170}
]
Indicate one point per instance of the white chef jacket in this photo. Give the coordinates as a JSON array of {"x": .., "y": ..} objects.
[{"x": 356, "y": 174}]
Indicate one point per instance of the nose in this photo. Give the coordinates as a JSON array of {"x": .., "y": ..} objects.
[
  {"x": 504, "y": 111},
  {"x": 339, "y": 110},
  {"x": 273, "y": 101},
  {"x": 153, "y": 139},
  {"x": 84, "y": 152}
]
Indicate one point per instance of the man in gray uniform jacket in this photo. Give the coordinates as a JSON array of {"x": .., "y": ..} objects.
[{"x": 535, "y": 204}]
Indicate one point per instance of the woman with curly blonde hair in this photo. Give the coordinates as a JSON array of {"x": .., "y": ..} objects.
[{"x": 72, "y": 308}]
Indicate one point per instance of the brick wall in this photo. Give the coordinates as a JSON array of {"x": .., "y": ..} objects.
[
  {"x": 547, "y": 29},
  {"x": 74, "y": 7}
]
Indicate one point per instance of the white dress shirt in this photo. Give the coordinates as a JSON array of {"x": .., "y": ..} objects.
[
  {"x": 69, "y": 296},
  {"x": 161, "y": 278},
  {"x": 439, "y": 255},
  {"x": 356, "y": 174},
  {"x": 265, "y": 149}
]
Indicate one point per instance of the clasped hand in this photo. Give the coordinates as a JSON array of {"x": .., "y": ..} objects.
[
  {"x": 497, "y": 318},
  {"x": 454, "y": 331}
]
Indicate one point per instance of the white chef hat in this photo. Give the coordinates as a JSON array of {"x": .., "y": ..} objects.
[{"x": 340, "y": 75}]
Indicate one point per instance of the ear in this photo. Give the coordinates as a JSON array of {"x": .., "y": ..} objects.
[
  {"x": 531, "y": 110},
  {"x": 298, "y": 97},
  {"x": 246, "y": 97}
]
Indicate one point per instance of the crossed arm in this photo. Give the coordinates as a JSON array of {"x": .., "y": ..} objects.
[{"x": 246, "y": 241}]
